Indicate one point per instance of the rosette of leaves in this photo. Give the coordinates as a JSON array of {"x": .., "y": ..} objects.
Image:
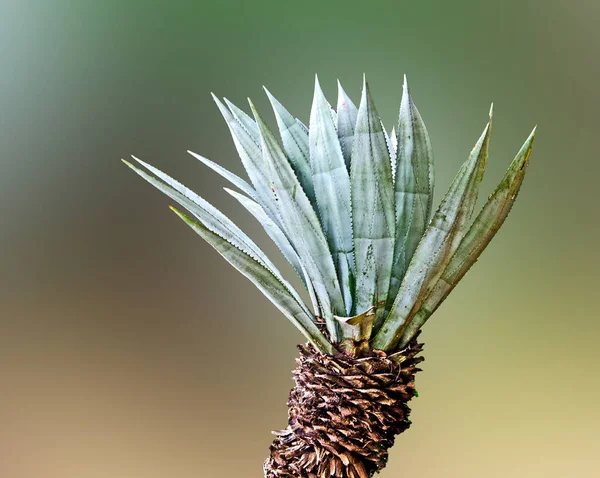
[{"x": 349, "y": 205}]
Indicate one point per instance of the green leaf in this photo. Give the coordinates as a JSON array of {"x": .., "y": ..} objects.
[
  {"x": 280, "y": 239},
  {"x": 372, "y": 208},
  {"x": 332, "y": 188},
  {"x": 294, "y": 136},
  {"x": 302, "y": 226},
  {"x": 439, "y": 242},
  {"x": 232, "y": 178},
  {"x": 481, "y": 232},
  {"x": 413, "y": 186},
  {"x": 265, "y": 281},
  {"x": 346, "y": 123}
]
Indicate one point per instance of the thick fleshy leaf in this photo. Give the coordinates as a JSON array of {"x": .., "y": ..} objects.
[
  {"x": 280, "y": 239},
  {"x": 439, "y": 242},
  {"x": 265, "y": 281},
  {"x": 346, "y": 123},
  {"x": 232, "y": 178},
  {"x": 294, "y": 136},
  {"x": 372, "y": 209},
  {"x": 481, "y": 232},
  {"x": 251, "y": 156},
  {"x": 413, "y": 186},
  {"x": 302, "y": 226},
  {"x": 332, "y": 189}
]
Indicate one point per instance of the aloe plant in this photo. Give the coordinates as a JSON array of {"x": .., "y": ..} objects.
[{"x": 348, "y": 204}]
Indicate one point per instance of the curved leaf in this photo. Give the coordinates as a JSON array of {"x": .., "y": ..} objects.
[
  {"x": 265, "y": 281},
  {"x": 280, "y": 240}
]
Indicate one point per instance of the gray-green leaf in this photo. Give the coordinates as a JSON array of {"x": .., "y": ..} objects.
[
  {"x": 232, "y": 178},
  {"x": 413, "y": 186},
  {"x": 280, "y": 239},
  {"x": 294, "y": 136},
  {"x": 346, "y": 123},
  {"x": 439, "y": 242},
  {"x": 332, "y": 189},
  {"x": 372, "y": 208},
  {"x": 266, "y": 282},
  {"x": 481, "y": 232},
  {"x": 302, "y": 226},
  {"x": 251, "y": 156}
]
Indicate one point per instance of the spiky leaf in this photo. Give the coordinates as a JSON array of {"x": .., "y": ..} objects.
[
  {"x": 372, "y": 208},
  {"x": 481, "y": 232},
  {"x": 251, "y": 156},
  {"x": 332, "y": 189},
  {"x": 232, "y": 178},
  {"x": 413, "y": 187},
  {"x": 210, "y": 216},
  {"x": 294, "y": 136},
  {"x": 245, "y": 120},
  {"x": 265, "y": 281},
  {"x": 280, "y": 239},
  {"x": 346, "y": 123},
  {"x": 302, "y": 226},
  {"x": 439, "y": 242}
]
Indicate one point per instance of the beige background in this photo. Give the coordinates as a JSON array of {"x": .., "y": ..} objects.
[{"x": 129, "y": 349}]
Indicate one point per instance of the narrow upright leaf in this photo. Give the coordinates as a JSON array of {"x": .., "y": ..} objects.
[
  {"x": 346, "y": 123},
  {"x": 332, "y": 189},
  {"x": 439, "y": 242},
  {"x": 481, "y": 232},
  {"x": 372, "y": 209},
  {"x": 266, "y": 282},
  {"x": 413, "y": 185},
  {"x": 294, "y": 136},
  {"x": 302, "y": 226}
]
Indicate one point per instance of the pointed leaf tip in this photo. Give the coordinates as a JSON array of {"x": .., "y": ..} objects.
[{"x": 491, "y": 110}]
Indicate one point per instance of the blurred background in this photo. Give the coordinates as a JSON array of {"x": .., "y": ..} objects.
[{"x": 129, "y": 348}]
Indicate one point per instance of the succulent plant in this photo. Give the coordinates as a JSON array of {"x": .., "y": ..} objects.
[{"x": 349, "y": 205}]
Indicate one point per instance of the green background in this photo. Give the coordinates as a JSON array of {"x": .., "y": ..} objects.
[{"x": 129, "y": 349}]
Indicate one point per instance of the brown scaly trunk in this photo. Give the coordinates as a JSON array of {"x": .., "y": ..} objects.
[{"x": 344, "y": 413}]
